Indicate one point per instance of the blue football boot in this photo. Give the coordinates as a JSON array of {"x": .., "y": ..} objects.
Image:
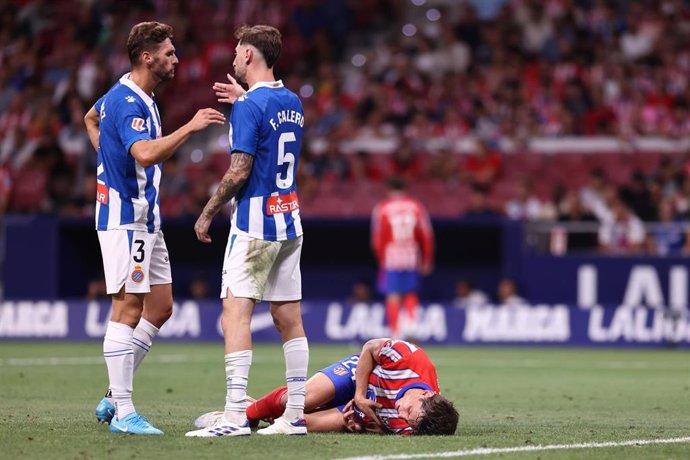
[
  {"x": 133, "y": 424},
  {"x": 105, "y": 411}
]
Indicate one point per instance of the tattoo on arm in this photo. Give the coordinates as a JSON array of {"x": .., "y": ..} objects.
[{"x": 233, "y": 180}]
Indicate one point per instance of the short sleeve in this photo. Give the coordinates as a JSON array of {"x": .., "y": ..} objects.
[
  {"x": 132, "y": 122},
  {"x": 393, "y": 352},
  {"x": 244, "y": 123},
  {"x": 99, "y": 103}
]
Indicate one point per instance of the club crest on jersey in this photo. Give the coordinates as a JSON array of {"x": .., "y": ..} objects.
[
  {"x": 279, "y": 204},
  {"x": 137, "y": 274},
  {"x": 138, "y": 124}
]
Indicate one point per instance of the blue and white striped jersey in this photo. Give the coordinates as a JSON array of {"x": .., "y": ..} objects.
[
  {"x": 267, "y": 124},
  {"x": 128, "y": 194}
]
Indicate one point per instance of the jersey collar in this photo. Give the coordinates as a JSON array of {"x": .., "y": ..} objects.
[
  {"x": 267, "y": 84},
  {"x": 410, "y": 386},
  {"x": 124, "y": 80}
]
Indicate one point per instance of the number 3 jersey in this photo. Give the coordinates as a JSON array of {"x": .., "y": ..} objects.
[
  {"x": 267, "y": 124},
  {"x": 127, "y": 194}
]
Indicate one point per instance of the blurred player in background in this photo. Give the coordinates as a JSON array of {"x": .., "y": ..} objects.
[
  {"x": 398, "y": 380},
  {"x": 124, "y": 127},
  {"x": 262, "y": 260},
  {"x": 403, "y": 241}
]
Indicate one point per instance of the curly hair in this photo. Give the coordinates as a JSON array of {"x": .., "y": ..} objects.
[
  {"x": 146, "y": 36},
  {"x": 440, "y": 417}
]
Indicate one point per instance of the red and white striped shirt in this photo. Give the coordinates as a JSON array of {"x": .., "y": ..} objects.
[
  {"x": 402, "y": 366},
  {"x": 401, "y": 233}
]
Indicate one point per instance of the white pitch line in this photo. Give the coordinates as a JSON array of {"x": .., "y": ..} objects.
[
  {"x": 507, "y": 450},
  {"x": 87, "y": 360},
  {"x": 98, "y": 360}
]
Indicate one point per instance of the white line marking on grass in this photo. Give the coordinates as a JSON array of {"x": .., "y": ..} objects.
[
  {"x": 507, "y": 450},
  {"x": 98, "y": 360},
  {"x": 88, "y": 360}
]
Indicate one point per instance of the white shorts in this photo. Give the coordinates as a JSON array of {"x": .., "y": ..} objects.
[
  {"x": 135, "y": 259},
  {"x": 262, "y": 270}
]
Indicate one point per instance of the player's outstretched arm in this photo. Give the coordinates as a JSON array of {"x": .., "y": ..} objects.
[
  {"x": 228, "y": 93},
  {"x": 91, "y": 121},
  {"x": 233, "y": 180},
  {"x": 151, "y": 152}
]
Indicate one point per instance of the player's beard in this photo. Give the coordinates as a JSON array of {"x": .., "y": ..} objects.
[
  {"x": 240, "y": 74},
  {"x": 161, "y": 73}
]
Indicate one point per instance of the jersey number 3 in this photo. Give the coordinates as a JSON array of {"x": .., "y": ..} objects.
[{"x": 286, "y": 157}]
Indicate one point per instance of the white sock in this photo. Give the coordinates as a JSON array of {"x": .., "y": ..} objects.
[
  {"x": 118, "y": 354},
  {"x": 296, "y": 362},
  {"x": 237, "y": 366},
  {"x": 144, "y": 334}
]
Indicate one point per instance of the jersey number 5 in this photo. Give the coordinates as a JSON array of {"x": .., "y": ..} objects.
[{"x": 286, "y": 157}]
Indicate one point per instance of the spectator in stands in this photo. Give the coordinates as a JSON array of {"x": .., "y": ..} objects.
[
  {"x": 361, "y": 292},
  {"x": 507, "y": 293},
  {"x": 405, "y": 163},
  {"x": 199, "y": 288},
  {"x": 443, "y": 167},
  {"x": 466, "y": 295},
  {"x": 670, "y": 237},
  {"x": 483, "y": 167},
  {"x": 5, "y": 190},
  {"x": 526, "y": 206},
  {"x": 636, "y": 195},
  {"x": 622, "y": 232},
  {"x": 570, "y": 209},
  {"x": 593, "y": 195},
  {"x": 331, "y": 165},
  {"x": 479, "y": 206},
  {"x": 362, "y": 168},
  {"x": 95, "y": 289}
]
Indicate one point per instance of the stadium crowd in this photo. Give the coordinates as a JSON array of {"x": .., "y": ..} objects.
[{"x": 388, "y": 87}]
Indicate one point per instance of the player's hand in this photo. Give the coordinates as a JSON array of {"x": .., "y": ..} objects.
[
  {"x": 426, "y": 269},
  {"x": 228, "y": 92},
  {"x": 350, "y": 418},
  {"x": 201, "y": 228},
  {"x": 205, "y": 117},
  {"x": 368, "y": 407}
]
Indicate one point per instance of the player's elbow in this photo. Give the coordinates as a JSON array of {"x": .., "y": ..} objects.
[{"x": 143, "y": 153}]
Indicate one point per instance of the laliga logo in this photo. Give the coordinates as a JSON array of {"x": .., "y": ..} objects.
[{"x": 643, "y": 316}]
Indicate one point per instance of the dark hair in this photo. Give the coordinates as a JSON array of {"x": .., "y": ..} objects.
[
  {"x": 440, "y": 417},
  {"x": 395, "y": 183},
  {"x": 266, "y": 39},
  {"x": 146, "y": 36}
]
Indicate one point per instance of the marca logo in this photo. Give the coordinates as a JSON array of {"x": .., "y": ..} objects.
[
  {"x": 138, "y": 124},
  {"x": 364, "y": 321},
  {"x": 282, "y": 203},
  {"x": 28, "y": 319},
  {"x": 524, "y": 323}
]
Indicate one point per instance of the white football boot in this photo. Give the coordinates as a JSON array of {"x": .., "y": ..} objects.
[
  {"x": 221, "y": 428},
  {"x": 283, "y": 426}
]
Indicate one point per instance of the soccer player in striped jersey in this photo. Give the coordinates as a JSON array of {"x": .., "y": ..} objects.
[
  {"x": 400, "y": 388},
  {"x": 265, "y": 240},
  {"x": 124, "y": 126},
  {"x": 403, "y": 240}
]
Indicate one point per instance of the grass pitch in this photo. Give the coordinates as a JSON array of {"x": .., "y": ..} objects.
[{"x": 506, "y": 397}]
